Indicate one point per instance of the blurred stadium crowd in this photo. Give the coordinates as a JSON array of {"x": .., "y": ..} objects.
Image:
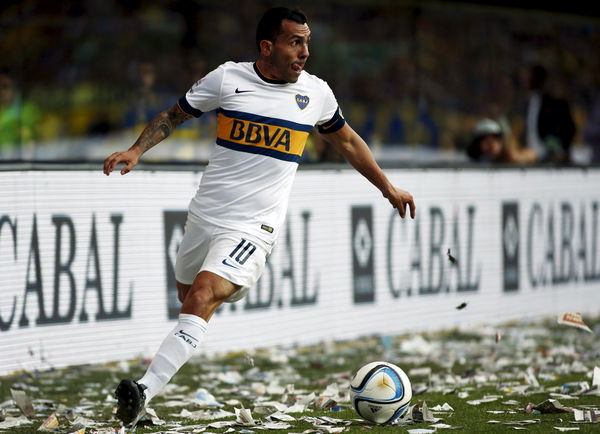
[{"x": 78, "y": 79}]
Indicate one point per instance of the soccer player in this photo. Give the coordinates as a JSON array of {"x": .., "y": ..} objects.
[{"x": 266, "y": 110}]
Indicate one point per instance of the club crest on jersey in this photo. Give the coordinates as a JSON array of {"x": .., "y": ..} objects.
[{"x": 302, "y": 101}]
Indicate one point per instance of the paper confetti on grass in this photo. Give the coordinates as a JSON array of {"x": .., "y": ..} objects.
[{"x": 574, "y": 319}]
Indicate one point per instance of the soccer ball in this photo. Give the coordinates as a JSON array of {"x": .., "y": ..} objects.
[{"x": 380, "y": 392}]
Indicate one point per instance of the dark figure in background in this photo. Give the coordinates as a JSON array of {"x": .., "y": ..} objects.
[
  {"x": 146, "y": 100},
  {"x": 591, "y": 133},
  {"x": 549, "y": 125}
]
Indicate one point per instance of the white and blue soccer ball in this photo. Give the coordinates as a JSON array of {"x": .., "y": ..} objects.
[{"x": 380, "y": 392}]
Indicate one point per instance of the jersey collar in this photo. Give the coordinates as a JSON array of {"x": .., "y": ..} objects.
[{"x": 263, "y": 78}]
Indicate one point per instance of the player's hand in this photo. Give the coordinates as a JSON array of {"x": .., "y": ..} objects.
[
  {"x": 129, "y": 158},
  {"x": 400, "y": 199}
]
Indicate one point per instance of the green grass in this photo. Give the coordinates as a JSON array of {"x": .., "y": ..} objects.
[{"x": 465, "y": 356}]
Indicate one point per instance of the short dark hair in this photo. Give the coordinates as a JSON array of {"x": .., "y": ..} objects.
[{"x": 269, "y": 25}]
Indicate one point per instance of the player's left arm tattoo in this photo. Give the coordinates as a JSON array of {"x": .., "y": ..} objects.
[{"x": 160, "y": 128}]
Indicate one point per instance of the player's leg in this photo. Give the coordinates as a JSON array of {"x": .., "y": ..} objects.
[
  {"x": 232, "y": 265},
  {"x": 201, "y": 300},
  {"x": 204, "y": 297},
  {"x": 230, "y": 258},
  {"x": 131, "y": 395}
]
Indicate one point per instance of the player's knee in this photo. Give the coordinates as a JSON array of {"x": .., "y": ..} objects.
[
  {"x": 204, "y": 295},
  {"x": 199, "y": 295}
]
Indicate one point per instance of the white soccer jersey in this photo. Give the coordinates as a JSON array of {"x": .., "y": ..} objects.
[{"x": 262, "y": 127}]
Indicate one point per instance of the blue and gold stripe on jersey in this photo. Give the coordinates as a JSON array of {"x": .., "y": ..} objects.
[{"x": 273, "y": 137}]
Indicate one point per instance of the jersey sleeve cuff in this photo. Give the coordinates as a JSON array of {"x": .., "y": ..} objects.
[
  {"x": 333, "y": 124},
  {"x": 186, "y": 107}
]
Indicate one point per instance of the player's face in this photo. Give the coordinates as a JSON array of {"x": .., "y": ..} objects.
[{"x": 290, "y": 51}]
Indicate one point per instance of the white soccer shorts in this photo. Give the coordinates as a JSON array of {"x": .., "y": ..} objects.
[{"x": 235, "y": 256}]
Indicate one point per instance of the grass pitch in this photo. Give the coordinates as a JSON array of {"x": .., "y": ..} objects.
[{"x": 531, "y": 363}]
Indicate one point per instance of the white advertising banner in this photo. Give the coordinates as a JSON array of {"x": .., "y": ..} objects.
[{"x": 86, "y": 261}]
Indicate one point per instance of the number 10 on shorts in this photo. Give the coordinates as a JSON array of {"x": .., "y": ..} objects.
[{"x": 243, "y": 251}]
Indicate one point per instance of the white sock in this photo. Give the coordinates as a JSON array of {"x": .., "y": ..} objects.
[{"x": 178, "y": 347}]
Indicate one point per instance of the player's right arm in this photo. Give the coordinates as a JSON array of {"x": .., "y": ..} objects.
[{"x": 156, "y": 131}]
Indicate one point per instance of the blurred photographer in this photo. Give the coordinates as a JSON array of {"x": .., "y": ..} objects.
[{"x": 488, "y": 146}]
